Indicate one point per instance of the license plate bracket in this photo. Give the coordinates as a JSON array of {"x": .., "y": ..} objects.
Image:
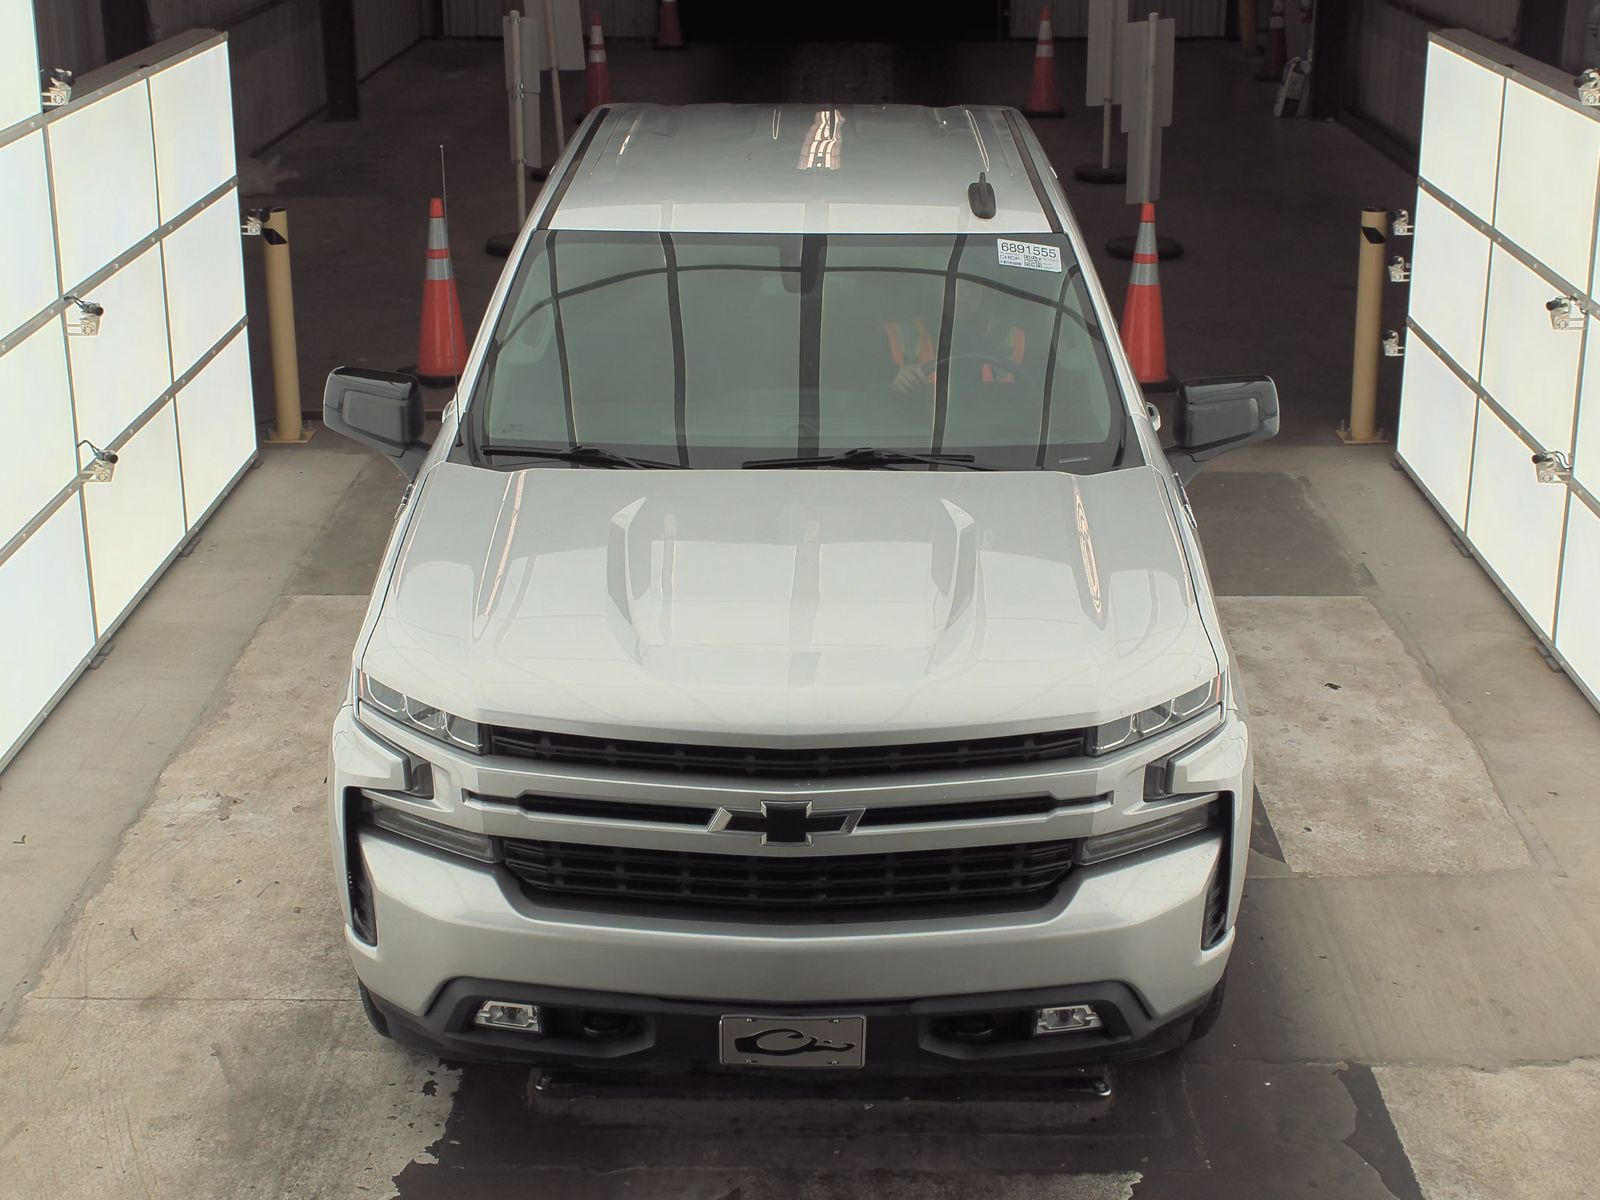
[{"x": 754, "y": 1040}]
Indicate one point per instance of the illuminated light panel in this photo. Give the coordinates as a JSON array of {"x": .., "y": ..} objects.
[
  {"x": 1528, "y": 367},
  {"x": 27, "y": 240},
  {"x": 193, "y": 108},
  {"x": 1586, "y": 453},
  {"x": 216, "y": 426},
  {"x": 119, "y": 372},
  {"x": 1449, "y": 281},
  {"x": 136, "y": 520},
  {"x": 204, "y": 267},
  {"x": 36, "y": 458},
  {"x": 1577, "y": 630},
  {"x": 1513, "y": 519},
  {"x": 1435, "y": 437},
  {"x": 1460, "y": 114},
  {"x": 1549, "y": 156},
  {"x": 102, "y": 166},
  {"x": 44, "y": 589},
  {"x": 19, "y": 65}
]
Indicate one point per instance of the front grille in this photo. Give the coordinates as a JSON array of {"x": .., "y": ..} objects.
[
  {"x": 567, "y": 749},
  {"x": 785, "y": 883},
  {"x": 879, "y": 816}
]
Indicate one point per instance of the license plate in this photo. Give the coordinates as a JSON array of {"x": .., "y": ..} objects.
[{"x": 752, "y": 1041}]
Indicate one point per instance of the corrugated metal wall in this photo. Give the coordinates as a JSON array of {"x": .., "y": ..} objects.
[
  {"x": 1070, "y": 18},
  {"x": 1389, "y": 48},
  {"x": 481, "y": 18},
  {"x": 275, "y": 49},
  {"x": 384, "y": 28},
  {"x": 473, "y": 18},
  {"x": 276, "y": 62},
  {"x": 70, "y": 34}
]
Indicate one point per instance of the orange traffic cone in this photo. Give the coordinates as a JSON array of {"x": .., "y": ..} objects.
[
  {"x": 597, "y": 80},
  {"x": 1277, "y": 46},
  {"x": 1043, "y": 99},
  {"x": 442, "y": 343},
  {"x": 1144, "y": 333},
  {"x": 669, "y": 34}
]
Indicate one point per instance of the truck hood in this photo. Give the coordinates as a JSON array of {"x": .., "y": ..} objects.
[{"x": 744, "y": 606}]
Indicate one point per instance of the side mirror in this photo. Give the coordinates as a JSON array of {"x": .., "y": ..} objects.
[
  {"x": 1218, "y": 415},
  {"x": 380, "y": 409}
]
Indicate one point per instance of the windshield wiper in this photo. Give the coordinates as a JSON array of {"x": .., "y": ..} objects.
[
  {"x": 582, "y": 453},
  {"x": 869, "y": 456}
]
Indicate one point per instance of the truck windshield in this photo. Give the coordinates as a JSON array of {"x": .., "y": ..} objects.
[{"x": 708, "y": 350}]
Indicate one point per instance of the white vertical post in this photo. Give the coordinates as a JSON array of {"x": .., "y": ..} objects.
[
  {"x": 1149, "y": 149},
  {"x": 553, "y": 54},
  {"x": 513, "y": 34},
  {"x": 1103, "y": 82}
]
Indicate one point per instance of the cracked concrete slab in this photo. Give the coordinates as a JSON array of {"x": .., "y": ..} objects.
[
  {"x": 235, "y": 842},
  {"x": 1527, "y": 1133},
  {"x": 204, "y": 1099},
  {"x": 1485, "y": 970},
  {"x": 1362, "y": 767},
  {"x": 198, "y": 1033}
]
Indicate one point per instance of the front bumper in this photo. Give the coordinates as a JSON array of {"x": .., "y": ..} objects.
[
  {"x": 1134, "y": 923},
  {"x": 643, "y": 1033}
]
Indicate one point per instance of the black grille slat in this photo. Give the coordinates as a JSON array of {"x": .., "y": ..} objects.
[
  {"x": 777, "y": 763},
  {"x": 787, "y": 883}
]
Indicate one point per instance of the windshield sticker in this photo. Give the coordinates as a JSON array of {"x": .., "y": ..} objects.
[{"x": 1029, "y": 255}]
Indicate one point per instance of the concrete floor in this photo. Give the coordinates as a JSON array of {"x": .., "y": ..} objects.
[{"x": 1411, "y": 1005}]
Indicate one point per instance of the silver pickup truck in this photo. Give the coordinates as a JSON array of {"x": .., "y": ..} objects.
[{"x": 794, "y": 649}]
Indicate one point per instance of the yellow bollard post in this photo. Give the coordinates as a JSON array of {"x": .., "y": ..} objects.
[
  {"x": 1248, "y": 15},
  {"x": 280, "y": 319},
  {"x": 1361, "y": 429}
]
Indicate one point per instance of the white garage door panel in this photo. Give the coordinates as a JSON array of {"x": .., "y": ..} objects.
[
  {"x": 1578, "y": 626},
  {"x": 205, "y": 280},
  {"x": 44, "y": 609},
  {"x": 36, "y": 458},
  {"x": 136, "y": 520},
  {"x": 1530, "y": 368},
  {"x": 102, "y": 163},
  {"x": 1449, "y": 277},
  {"x": 1514, "y": 520},
  {"x": 1586, "y": 454},
  {"x": 1549, "y": 157},
  {"x": 1436, "y": 428},
  {"x": 19, "y": 64},
  {"x": 193, "y": 109},
  {"x": 1460, "y": 112},
  {"x": 119, "y": 372},
  {"x": 27, "y": 241},
  {"x": 216, "y": 425}
]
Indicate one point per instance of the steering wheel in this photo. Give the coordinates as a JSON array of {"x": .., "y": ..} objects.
[{"x": 1010, "y": 366}]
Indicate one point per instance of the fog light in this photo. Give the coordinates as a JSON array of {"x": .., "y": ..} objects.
[
  {"x": 508, "y": 1014},
  {"x": 1068, "y": 1018}
]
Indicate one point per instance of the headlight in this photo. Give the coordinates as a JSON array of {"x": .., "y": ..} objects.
[
  {"x": 1114, "y": 735},
  {"x": 424, "y": 718}
]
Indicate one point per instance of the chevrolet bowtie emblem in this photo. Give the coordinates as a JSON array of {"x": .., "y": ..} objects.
[{"x": 785, "y": 822}]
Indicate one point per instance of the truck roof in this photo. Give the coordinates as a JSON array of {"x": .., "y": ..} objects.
[{"x": 798, "y": 168}]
